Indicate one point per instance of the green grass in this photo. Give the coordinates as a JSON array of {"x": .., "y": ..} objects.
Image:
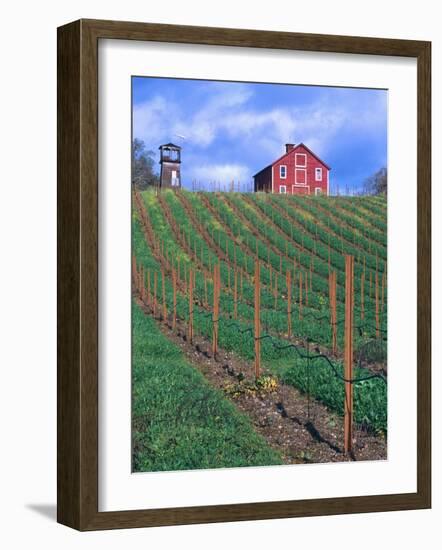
[
  {"x": 179, "y": 421},
  {"x": 319, "y": 381}
]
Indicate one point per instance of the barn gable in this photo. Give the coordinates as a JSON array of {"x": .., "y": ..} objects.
[{"x": 298, "y": 171}]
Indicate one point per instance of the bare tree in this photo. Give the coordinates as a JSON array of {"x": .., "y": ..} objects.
[
  {"x": 143, "y": 162},
  {"x": 376, "y": 184}
]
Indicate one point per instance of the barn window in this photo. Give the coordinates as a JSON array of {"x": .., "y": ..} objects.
[
  {"x": 300, "y": 159},
  {"x": 283, "y": 172},
  {"x": 318, "y": 191},
  {"x": 283, "y": 189},
  {"x": 318, "y": 174}
]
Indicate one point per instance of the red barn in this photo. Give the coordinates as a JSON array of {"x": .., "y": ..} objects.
[{"x": 298, "y": 171}]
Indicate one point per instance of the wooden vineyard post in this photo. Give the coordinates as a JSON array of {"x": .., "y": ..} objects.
[
  {"x": 348, "y": 354},
  {"x": 300, "y": 295},
  {"x": 362, "y": 291},
  {"x": 257, "y": 320},
  {"x": 174, "y": 299},
  {"x": 206, "y": 300},
  {"x": 289, "y": 303},
  {"x": 376, "y": 299},
  {"x": 276, "y": 290},
  {"x": 190, "y": 327},
  {"x": 155, "y": 282},
  {"x": 235, "y": 294},
  {"x": 140, "y": 282},
  {"x": 384, "y": 281},
  {"x": 134, "y": 268},
  {"x": 215, "y": 309},
  {"x": 149, "y": 300},
  {"x": 163, "y": 277},
  {"x": 333, "y": 316}
]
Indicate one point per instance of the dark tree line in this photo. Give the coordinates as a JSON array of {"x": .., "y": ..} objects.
[
  {"x": 143, "y": 166},
  {"x": 376, "y": 184}
]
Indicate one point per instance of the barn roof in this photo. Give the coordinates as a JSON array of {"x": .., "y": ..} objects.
[{"x": 289, "y": 153}]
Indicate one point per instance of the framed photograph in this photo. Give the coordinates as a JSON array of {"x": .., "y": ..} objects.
[{"x": 243, "y": 275}]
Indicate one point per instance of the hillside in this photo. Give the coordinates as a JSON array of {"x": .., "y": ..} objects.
[{"x": 179, "y": 239}]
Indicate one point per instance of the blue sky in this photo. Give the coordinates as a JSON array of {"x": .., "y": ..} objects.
[{"x": 231, "y": 129}]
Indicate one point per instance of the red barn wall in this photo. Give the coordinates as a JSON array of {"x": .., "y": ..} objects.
[
  {"x": 263, "y": 180},
  {"x": 290, "y": 162}
]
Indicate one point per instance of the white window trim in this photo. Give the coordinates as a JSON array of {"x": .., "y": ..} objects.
[
  {"x": 300, "y": 184},
  {"x": 285, "y": 170},
  {"x": 318, "y": 189},
  {"x": 305, "y": 159},
  {"x": 318, "y": 170},
  {"x": 281, "y": 191}
]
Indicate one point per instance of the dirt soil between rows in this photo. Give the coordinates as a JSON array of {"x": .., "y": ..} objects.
[{"x": 302, "y": 429}]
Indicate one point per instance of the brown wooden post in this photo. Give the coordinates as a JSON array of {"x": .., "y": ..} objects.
[
  {"x": 174, "y": 299},
  {"x": 384, "y": 281},
  {"x": 235, "y": 294},
  {"x": 376, "y": 299},
  {"x": 163, "y": 282},
  {"x": 215, "y": 310},
  {"x": 300, "y": 295},
  {"x": 257, "y": 321},
  {"x": 155, "y": 283},
  {"x": 362, "y": 294},
  {"x": 206, "y": 300},
  {"x": 142, "y": 279},
  {"x": 190, "y": 327},
  {"x": 289, "y": 303},
  {"x": 348, "y": 354},
  {"x": 149, "y": 299},
  {"x": 134, "y": 268},
  {"x": 275, "y": 292}
]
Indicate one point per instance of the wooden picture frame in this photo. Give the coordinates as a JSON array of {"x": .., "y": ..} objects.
[{"x": 78, "y": 274}]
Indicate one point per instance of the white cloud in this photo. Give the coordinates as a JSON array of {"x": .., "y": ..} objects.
[
  {"x": 219, "y": 173},
  {"x": 203, "y": 127},
  {"x": 226, "y": 113},
  {"x": 151, "y": 119}
]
